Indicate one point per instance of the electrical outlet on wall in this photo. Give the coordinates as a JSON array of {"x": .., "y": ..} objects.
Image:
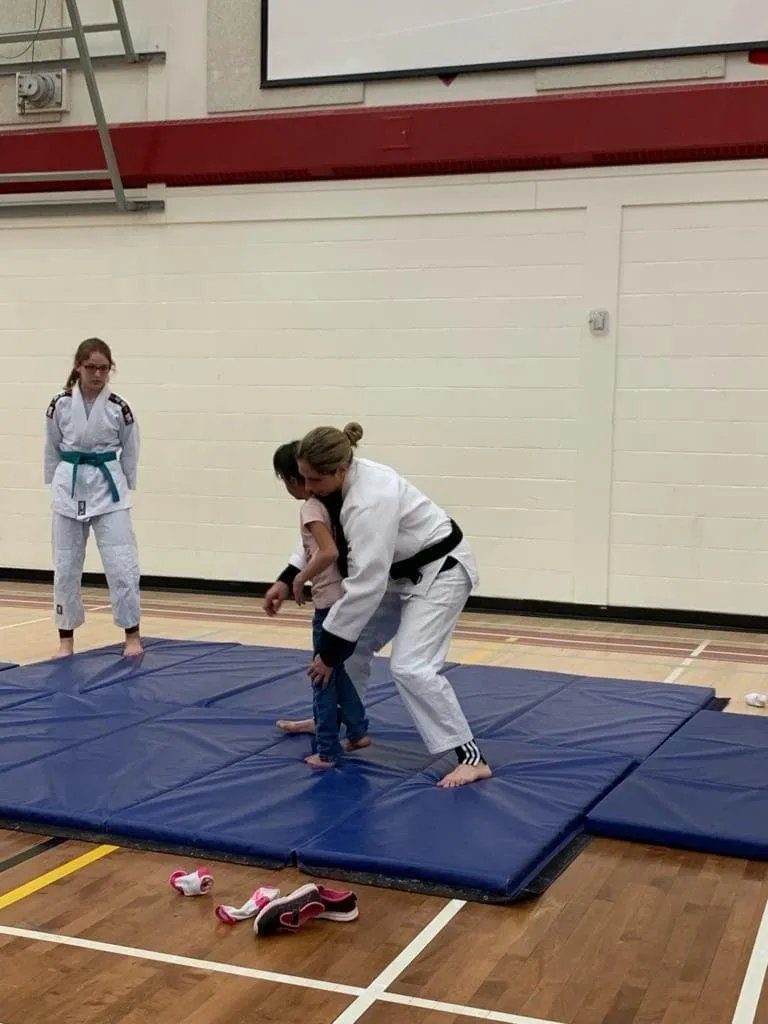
[{"x": 41, "y": 92}]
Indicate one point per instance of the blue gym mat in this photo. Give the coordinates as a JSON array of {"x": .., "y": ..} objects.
[
  {"x": 706, "y": 789},
  {"x": 618, "y": 716},
  {"x": 179, "y": 750},
  {"x": 261, "y": 807},
  {"x": 491, "y": 837},
  {"x": 7, "y": 664},
  {"x": 91, "y": 670},
  {"x": 10, "y": 696}
]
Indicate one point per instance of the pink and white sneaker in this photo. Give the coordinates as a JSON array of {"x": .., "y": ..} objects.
[
  {"x": 340, "y": 904},
  {"x": 196, "y": 883},
  {"x": 258, "y": 900},
  {"x": 289, "y": 912}
]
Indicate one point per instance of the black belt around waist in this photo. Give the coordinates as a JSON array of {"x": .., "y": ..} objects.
[{"x": 410, "y": 568}]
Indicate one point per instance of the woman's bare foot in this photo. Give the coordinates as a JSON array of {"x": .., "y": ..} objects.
[
  {"x": 66, "y": 647},
  {"x": 464, "y": 774},
  {"x": 315, "y": 761},
  {"x": 364, "y": 741},
  {"x": 297, "y": 725},
  {"x": 133, "y": 646}
]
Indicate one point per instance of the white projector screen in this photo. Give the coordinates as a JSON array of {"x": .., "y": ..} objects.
[{"x": 307, "y": 41}]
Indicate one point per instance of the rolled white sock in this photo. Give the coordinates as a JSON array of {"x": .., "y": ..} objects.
[
  {"x": 196, "y": 883},
  {"x": 757, "y": 700},
  {"x": 259, "y": 899}
]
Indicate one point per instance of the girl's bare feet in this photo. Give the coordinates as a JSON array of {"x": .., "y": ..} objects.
[
  {"x": 315, "y": 761},
  {"x": 361, "y": 744},
  {"x": 296, "y": 725}
]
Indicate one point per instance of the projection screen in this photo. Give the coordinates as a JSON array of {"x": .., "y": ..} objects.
[{"x": 306, "y": 41}]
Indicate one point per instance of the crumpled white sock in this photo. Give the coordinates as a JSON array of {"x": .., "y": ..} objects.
[
  {"x": 196, "y": 883},
  {"x": 757, "y": 700},
  {"x": 259, "y": 899}
]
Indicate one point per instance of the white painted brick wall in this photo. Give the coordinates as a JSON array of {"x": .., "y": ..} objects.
[
  {"x": 689, "y": 525},
  {"x": 449, "y": 316},
  {"x": 452, "y": 335}
]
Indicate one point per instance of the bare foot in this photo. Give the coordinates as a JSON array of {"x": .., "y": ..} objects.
[
  {"x": 464, "y": 774},
  {"x": 298, "y": 725},
  {"x": 315, "y": 761},
  {"x": 361, "y": 744},
  {"x": 66, "y": 647},
  {"x": 133, "y": 646}
]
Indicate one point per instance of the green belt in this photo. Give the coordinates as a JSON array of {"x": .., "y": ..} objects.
[{"x": 99, "y": 459}]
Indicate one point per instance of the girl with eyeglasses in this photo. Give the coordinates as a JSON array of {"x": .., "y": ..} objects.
[{"x": 91, "y": 458}]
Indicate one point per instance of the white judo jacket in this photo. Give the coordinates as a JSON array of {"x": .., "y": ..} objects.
[
  {"x": 110, "y": 427},
  {"x": 385, "y": 519}
]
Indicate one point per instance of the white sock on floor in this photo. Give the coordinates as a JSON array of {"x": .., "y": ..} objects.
[
  {"x": 757, "y": 700},
  {"x": 251, "y": 907},
  {"x": 196, "y": 883}
]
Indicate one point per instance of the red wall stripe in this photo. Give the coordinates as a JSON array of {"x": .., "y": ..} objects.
[{"x": 708, "y": 122}]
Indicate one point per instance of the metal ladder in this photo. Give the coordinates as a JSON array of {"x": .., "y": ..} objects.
[{"x": 119, "y": 201}]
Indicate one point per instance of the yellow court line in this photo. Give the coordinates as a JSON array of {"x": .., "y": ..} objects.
[{"x": 53, "y": 876}]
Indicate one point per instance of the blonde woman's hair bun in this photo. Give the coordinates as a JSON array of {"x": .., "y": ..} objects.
[{"x": 354, "y": 433}]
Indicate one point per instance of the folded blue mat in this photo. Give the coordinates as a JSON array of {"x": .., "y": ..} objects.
[
  {"x": 179, "y": 749},
  {"x": 706, "y": 789},
  {"x": 104, "y": 666},
  {"x": 54, "y": 722},
  {"x": 490, "y": 698},
  {"x": 7, "y": 664},
  {"x": 230, "y": 671},
  {"x": 614, "y": 715},
  {"x": 260, "y": 808},
  {"x": 489, "y": 839},
  {"x": 84, "y": 785},
  {"x": 13, "y": 695},
  {"x": 290, "y": 694}
]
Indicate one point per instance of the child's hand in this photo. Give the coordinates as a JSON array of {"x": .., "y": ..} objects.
[
  {"x": 319, "y": 672},
  {"x": 274, "y": 597},
  {"x": 298, "y": 589}
]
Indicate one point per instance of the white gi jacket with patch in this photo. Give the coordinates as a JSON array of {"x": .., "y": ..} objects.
[{"x": 110, "y": 427}]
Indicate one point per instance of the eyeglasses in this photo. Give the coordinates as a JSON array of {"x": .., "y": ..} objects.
[{"x": 95, "y": 367}]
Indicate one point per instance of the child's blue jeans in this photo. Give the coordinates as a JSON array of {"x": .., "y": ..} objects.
[{"x": 334, "y": 703}]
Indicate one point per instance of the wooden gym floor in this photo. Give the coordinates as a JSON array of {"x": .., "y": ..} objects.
[{"x": 629, "y": 934}]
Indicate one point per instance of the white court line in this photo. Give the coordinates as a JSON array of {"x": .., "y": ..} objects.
[
  {"x": 457, "y": 1009},
  {"x": 749, "y": 997},
  {"x": 180, "y": 961},
  {"x": 417, "y": 945},
  {"x": 370, "y": 996},
  {"x": 48, "y": 618},
  {"x": 28, "y": 622},
  {"x": 677, "y": 672},
  {"x": 376, "y": 991}
]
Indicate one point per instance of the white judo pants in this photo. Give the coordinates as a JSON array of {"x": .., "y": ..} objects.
[
  {"x": 420, "y": 629},
  {"x": 119, "y": 556}
]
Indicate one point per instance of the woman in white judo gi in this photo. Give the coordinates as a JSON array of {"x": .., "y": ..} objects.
[
  {"x": 87, "y": 426},
  {"x": 408, "y": 578}
]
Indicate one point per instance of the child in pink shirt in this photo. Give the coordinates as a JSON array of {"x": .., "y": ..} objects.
[{"x": 337, "y": 701}]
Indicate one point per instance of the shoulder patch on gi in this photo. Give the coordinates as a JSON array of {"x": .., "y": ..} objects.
[
  {"x": 126, "y": 409},
  {"x": 52, "y": 407}
]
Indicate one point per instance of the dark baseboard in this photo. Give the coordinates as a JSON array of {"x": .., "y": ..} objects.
[{"x": 506, "y": 605}]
